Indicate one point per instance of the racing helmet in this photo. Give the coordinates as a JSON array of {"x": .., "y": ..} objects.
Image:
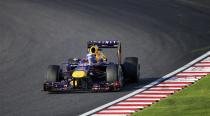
[{"x": 93, "y": 49}]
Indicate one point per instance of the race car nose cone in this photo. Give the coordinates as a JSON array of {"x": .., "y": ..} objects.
[{"x": 79, "y": 74}]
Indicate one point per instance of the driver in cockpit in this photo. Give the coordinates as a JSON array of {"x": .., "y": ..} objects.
[{"x": 95, "y": 56}]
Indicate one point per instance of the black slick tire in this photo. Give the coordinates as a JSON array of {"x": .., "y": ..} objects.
[
  {"x": 53, "y": 73},
  {"x": 131, "y": 69}
]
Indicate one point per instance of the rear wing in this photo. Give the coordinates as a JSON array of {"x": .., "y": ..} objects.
[
  {"x": 104, "y": 44},
  {"x": 107, "y": 44}
]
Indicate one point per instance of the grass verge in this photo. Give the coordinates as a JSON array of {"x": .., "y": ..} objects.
[{"x": 191, "y": 101}]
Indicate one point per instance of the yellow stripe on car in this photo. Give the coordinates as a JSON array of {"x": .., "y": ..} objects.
[{"x": 79, "y": 74}]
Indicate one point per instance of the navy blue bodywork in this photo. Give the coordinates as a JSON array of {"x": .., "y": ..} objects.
[{"x": 95, "y": 80}]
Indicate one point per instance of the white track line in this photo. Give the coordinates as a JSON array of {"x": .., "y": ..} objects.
[{"x": 149, "y": 85}]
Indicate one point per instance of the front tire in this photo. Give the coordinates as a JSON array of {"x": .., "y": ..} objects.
[{"x": 53, "y": 73}]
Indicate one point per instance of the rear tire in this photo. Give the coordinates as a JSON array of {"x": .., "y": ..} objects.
[{"x": 131, "y": 69}]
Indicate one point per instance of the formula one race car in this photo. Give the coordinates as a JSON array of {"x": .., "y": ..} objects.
[{"x": 93, "y": 73}]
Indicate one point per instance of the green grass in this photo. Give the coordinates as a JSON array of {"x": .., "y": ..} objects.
[{"x": 191, "y": 101}]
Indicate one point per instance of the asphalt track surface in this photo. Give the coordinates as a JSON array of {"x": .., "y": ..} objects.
[{"x": 164, "y": 34}]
